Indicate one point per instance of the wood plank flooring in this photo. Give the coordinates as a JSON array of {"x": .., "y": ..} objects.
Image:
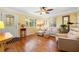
[{"x": 33, "y": 43}]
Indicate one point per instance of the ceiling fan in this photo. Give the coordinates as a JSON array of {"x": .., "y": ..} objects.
[{"x": 45, "y": 10}]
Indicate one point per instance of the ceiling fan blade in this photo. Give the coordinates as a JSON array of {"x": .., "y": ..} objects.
[{"x": 49, "y": 9}]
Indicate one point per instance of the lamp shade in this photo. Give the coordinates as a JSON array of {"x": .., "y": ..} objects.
[{"x": 1, "y": 25}]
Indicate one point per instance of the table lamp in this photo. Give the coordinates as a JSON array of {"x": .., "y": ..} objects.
[{"x": 1, "y": 26}]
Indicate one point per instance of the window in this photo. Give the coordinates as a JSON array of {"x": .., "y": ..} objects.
[
  {"x": 31, "y": 22},
  {"x": 9, "y": 20}
]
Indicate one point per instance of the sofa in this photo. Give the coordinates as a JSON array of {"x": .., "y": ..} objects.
[
  {"x": 68, "y": 45},
  {"x": 70, "y": 42}
]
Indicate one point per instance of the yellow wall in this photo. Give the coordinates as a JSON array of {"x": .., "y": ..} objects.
[
  {"x": 20, "y": 22},
  {"x": 73, "y": 18},
  {"x": 21, "y": 19},
  {"x": 58, "y": 21}
]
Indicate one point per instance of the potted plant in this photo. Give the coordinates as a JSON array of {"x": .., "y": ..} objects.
[{"x": 63, "y": 28}]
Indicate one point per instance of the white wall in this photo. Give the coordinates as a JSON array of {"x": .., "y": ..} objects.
[{"x": 13, "y": 29}]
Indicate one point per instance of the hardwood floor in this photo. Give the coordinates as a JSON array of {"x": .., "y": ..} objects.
[{"x": 33, "y": 43}]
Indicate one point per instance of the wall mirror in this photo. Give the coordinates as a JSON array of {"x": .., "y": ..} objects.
[{"x": 65, "y": 20}]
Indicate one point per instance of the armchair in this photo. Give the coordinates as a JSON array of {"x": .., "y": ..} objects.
[
  {"x": 47, "y": 31},
  {"x": 51, "y": 31},
  {"x": 41, "y": 32}
]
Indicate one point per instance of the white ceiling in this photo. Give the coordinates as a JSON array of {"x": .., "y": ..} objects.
[{"x": 57, "y": 10}]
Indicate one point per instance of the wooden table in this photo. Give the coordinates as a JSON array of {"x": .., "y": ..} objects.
[{"x": 4, "y": 37}]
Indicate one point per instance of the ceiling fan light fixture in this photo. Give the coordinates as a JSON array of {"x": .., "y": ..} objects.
[{"x": 44, "y": 10}]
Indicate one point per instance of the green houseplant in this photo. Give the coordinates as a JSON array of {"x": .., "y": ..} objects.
[{"x": 63, "y": 28}]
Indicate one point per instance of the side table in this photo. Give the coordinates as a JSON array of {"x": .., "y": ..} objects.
[{"x": 23, "y": 32}]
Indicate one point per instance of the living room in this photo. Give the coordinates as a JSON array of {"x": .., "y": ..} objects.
[{"x": 39, "y": 29}]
